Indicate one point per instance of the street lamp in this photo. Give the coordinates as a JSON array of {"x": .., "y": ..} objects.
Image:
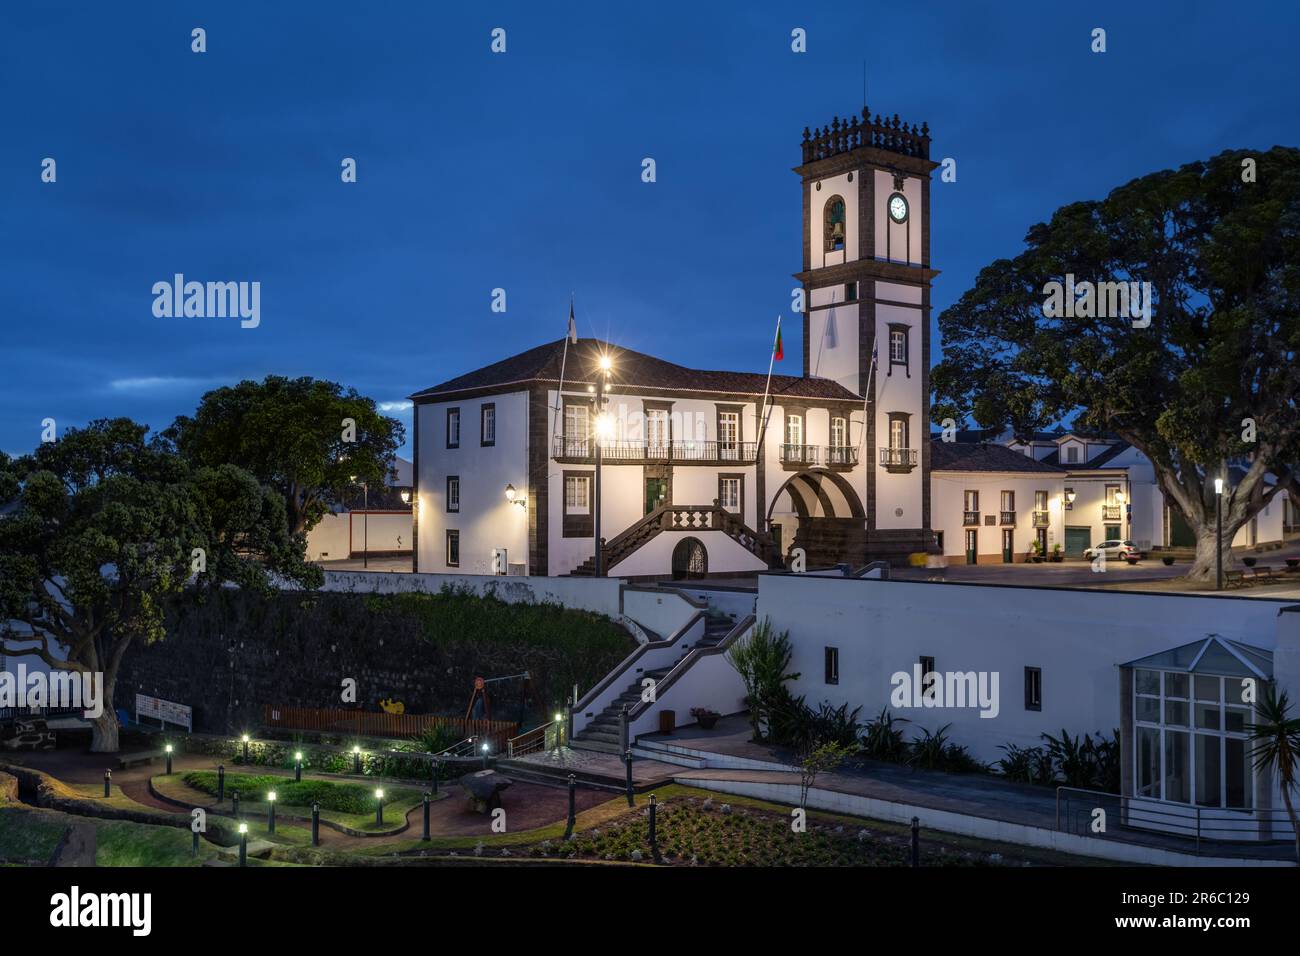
[
  {"x": 356, "y": 760},
  {"x": 270, "y": 819},
  {"x": 365, "y": 522},
  {"x": 245, "y": 739},
  {"x": 514, "y": 498},
  {"x": 485, "y": 756},
  {"x": 1218, "y": 536},
  {"x": 603, "y": 430},
  {"x": 379, "y": 806},
  {"x": 297, "y": 767},
  {"x": 559, "y": 731},
  {"x": 168, "y": 750}
]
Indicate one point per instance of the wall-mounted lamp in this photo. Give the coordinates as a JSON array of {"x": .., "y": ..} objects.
[
  {"x": 1119, "y": 496},
  {"x": 512, "y": 496},
  {"x": 1069, "y": 497},
  {"x": 406, "y": 497},
  {"x": 1218, "y": 486}
]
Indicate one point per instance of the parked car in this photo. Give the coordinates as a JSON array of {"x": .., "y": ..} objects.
[{"x": 1115, "y": 550}]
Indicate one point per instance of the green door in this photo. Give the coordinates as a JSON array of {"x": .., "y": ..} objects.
[
  {"x": 1077, "y": 540},
  {"x": 656, "y": 493},
  {"x": 1008, "y": 545},
  {"x": 972, "y": 546}
]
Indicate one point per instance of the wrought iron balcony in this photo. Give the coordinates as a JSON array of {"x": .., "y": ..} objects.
[
  {"x": 703, "y": 452},
  {"x": 1110, "y": 512},
  {"x": 843, "y": 455},
  {"x": 1007, "y": 517},
  {"x": 898, "y": 459},
  {"x": 970, "y": 519},
  {"x": 800, "y": 454},
  {"x": 1041, "y": 519}
]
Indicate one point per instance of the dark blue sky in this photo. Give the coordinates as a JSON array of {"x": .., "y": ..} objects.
[{"x": 522, "y": 171}]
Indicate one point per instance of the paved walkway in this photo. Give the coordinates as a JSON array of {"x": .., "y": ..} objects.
[{"x": 567, "y": 760}]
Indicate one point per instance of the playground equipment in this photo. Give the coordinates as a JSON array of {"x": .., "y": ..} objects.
[{"x": 481, "y": 698}]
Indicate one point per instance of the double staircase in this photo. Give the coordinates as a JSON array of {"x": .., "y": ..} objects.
[
  {"x": 604, "y": 733},
  {"x": 684, "y": 518}
]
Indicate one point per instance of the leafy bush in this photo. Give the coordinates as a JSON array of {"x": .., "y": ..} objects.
[
  {"x": 934, "y": 751},
  {"x": 884, "y": 741},
  {"x": 1085, "y": 763},
  {"x": 1026, "y": 764}
]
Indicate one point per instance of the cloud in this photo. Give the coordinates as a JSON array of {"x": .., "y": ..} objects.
[
  {"x": 156, "y": 383},
  {"x": 395, "y": 406}
]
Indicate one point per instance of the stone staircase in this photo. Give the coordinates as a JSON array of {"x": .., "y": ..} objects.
[
  {"x": 683, "y": 518},
  {"x": 603, "y": 733}
]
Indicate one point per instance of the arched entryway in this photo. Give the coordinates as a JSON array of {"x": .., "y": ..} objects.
[
  {"x": 690, "y": 560},
  {"x": 831, "y": 520}
]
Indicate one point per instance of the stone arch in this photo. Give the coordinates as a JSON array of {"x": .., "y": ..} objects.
[
  {"x": 690, "y": 559},
  {"x": 820, "y": 493}
]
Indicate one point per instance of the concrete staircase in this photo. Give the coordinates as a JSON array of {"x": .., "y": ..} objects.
[{"x": 603, "y": 733}]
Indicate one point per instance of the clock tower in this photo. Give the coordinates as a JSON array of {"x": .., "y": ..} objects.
[{"x": 866, "y": 279}]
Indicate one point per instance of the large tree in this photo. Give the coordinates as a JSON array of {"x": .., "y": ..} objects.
[
  {"x": 100, "y": 529},
  {"x": 313, "y": 441},
  {"x": 1212, "y": 381}
]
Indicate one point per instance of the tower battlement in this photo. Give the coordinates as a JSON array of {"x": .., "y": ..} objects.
[{"x": 888, "y": 134}]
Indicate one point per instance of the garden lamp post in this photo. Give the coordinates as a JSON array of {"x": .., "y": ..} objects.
[
  {"x": 356, "y": 759},
  {"x": 365, "y": 522},
  {"x": 221, "y": 782},
  {"x": 108, "y": 781},
  {"x": 297, "y": 767},
  {"x": 270, "y": 812},
  {"x": 485, "y": 756},
  {"x": 603, "y": 430},
  {"x": 559, "y": 731},
  {"x": 168, "y": 751},
  {"x": 245, "y": 740},
  {"x": 243, "y": 844},
  {"x": 1218, "y": 536},
  {"x": 379, "y": 806}
]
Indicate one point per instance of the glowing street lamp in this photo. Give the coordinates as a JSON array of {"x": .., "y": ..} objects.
[
  {"x": 168, "y": 751},
  {"x": 356, "y": 760},
  {"x": 245, "y": 739},
  {"x": 485, "y": 756},
  {"x": 559, "y": 730},
  {"x": 379, "y": 806},
  {"x": 270, "y": 820},
  {"x": 243, "y": 844},
  {"x": 1218, "y": 536},
  {"x": 297, "y": 767}
]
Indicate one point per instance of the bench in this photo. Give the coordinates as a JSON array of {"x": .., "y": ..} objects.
[
  {"x": 1264, "y": 571},
  {"x": 136, "y": 759},
  {"x": 1234, "y": 579}
]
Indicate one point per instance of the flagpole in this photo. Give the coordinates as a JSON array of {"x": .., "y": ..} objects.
[
  {"x": 569, "y": 333},
  {"x": 866, "y": 398},
  {"x": 771, "y": 362}
]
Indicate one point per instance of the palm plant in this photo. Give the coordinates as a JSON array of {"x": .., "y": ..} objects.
[
  {"x": 1277, "y": 746},
  {"x": 762, "y": 659}
]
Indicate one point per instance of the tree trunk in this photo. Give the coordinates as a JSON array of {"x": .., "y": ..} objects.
[
  {"x": 1204, "y": 567},
  {"x": 104, "y": 731},
  {"x": 1290, "y": 812}
]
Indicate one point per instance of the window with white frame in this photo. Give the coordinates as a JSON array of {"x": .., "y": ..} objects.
[
  {"x": 453, "y": 428},
  {"x": 729, "y": 493},
  {"x": 453, "y": 493},
  {"x": 794, "y": 429},
  {"x": 489, "y": 424},
  {"x": 1190, "y": 740},
  {"x": 577, "y": 498},
  {"x": 839, "y": 432},
  {"x": 656, "y": 430}
]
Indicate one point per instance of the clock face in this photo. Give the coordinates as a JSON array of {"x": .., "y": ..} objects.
[{"x": 898, "y": 208}]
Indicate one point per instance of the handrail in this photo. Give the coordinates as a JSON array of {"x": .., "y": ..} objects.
[
  {"x": 663, "y": 518},
  {"x": 518, "y": 746},
  {"x": 687, "y": 662},
  {"x": 637, "y": 653}
]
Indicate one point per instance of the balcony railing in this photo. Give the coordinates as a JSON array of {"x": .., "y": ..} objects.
[
  {"x": 898, "y": 459},
  {"x": 582, "y": 449},
  {"x": 970, "y": 518},
  {"x": 1110, "y": 512},
  {"x": 843, "y": 455},
  {"x": 1041, "y": 519},
  {"x": 1007, "y": 517},
  {"x": 800, "y": 454}
]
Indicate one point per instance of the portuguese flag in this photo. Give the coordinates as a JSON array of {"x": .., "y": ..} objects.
[{"x": 778, "y": 350}]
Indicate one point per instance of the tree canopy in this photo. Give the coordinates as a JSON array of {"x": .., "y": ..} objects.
[
  {"x": 103, "y": 526},
  {"x": 1212, "y": 380},
  {"x": 311, "y": 440}
]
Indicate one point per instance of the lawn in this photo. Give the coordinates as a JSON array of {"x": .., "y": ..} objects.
[
  {"x": 28, "y": 836},
  {"x": 349, "y": 804}
]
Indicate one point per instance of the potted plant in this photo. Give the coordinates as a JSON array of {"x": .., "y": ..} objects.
[
  {"x": 705, "y": 716},
  {"x": 1249, "y": 562},
  {"x": 1167, "y": 560},
  {"x": 1057, "y": 554},
  {"x": 1036, "y": 552}
]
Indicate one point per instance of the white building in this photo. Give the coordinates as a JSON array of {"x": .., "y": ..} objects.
[{"x": 699, "y": 477}]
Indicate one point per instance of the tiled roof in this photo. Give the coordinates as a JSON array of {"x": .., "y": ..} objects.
[
  {"x": 631, "y": 370},
  {"x": 956, "y": 456},
  {"x": 1098, "y": 461}
]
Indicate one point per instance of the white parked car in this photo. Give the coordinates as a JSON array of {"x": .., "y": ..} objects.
[{"x": 1114, "y": 550}]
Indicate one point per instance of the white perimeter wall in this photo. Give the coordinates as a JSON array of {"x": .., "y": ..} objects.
[
  {"x": 590, "y": 594},
  {"x": 1077, "y": 637}
]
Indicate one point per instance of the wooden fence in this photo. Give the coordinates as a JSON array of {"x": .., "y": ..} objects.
[{"x": 365, "y": 723}]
